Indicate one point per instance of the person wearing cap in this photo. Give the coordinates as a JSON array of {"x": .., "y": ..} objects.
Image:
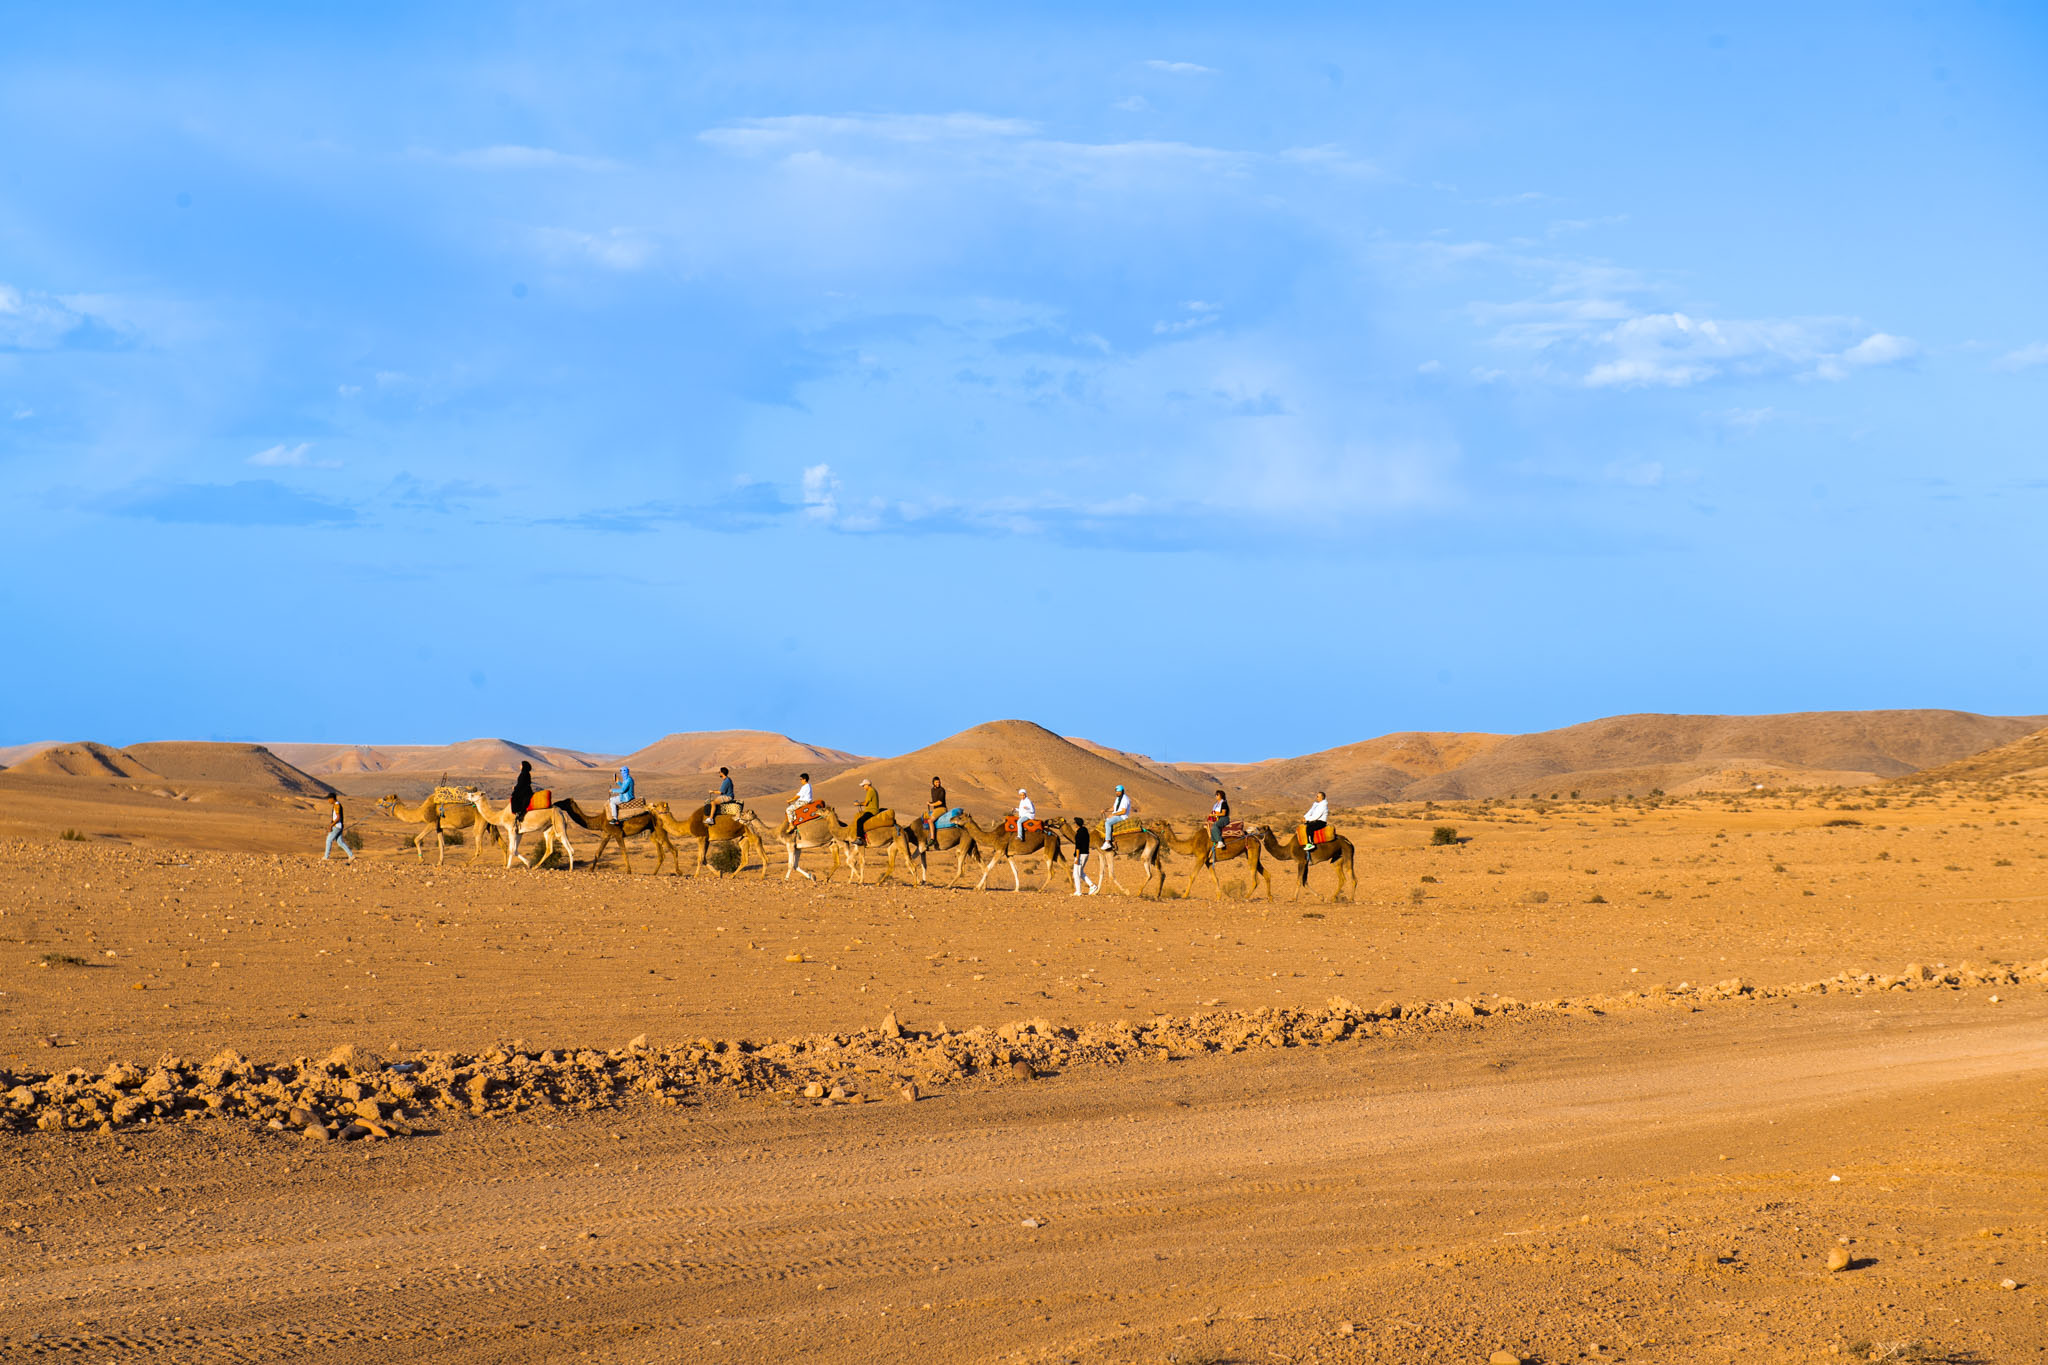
[
  {"x": 1025, "y": 810},
  {"x": 1219, "y": 816},
  {"x": 1119, "y": 809},
  {"x": 621, "y": 792},
  {"x": 870, "y": 807}
]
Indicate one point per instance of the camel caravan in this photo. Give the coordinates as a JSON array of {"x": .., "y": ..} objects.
[{"x": 725, "y": 834}]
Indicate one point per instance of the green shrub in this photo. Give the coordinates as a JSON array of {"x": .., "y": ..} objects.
[
  {"x": 353, "y": 839},
  {"x": 71, "y": 836},
  {"x": 1444, "y": 834},
  {"x": 62, "y": 960},
  {"x": 724, "y": 857}
]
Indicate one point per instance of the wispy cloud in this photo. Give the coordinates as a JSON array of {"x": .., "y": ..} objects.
[
  {"x": 1198, "y": 314},
  {"x": 2025, "y": 358},
  {"x": 1675, "y": 350},
  {"x": 295, "y": 456},
  {"x": 747, "y": 507},
  {"x": 616, "y": 248},
  {"x": 759, "y": 135},
  {"x": 44, "y": 322},
  {"x": 513, "y": 157},
  {"x": 1180, "y": 68},
  {"x": 250, "y": 502}
]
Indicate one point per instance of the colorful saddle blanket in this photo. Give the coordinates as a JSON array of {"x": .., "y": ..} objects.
[
  {"x": 804, "y": 814},
  {"x": 629, "y": 809},
  {"x": 542, "y": 800},
  {"x": 1234, "y": 830},
  {"x": 948, "y": 819},
  {"x": 1321, "y": 836},
  {"x": 1030, "y": 826}
]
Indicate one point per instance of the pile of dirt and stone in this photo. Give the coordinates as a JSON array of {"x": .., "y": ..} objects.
[{"x": 351, "y": 1094}]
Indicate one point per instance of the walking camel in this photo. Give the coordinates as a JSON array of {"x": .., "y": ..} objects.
[
  {"x": 1134, "y": 839},
  {"x": 438, "y": 817},
  {"x": 949, "y": 839},
  {"x": 881, "y": 831},
  {"x": 1001, "y": 846},
  {"x": 1196, "y": 846},
  {"x": 548, "y": 820},
  {"x": 1338, "y": 851},
  {"x": 822, "y": 831},
  {"x": 639, "y": 822},
  {"x": 723, "y": 829}
]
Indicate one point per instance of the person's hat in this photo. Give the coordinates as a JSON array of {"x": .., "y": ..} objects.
[
  {"x": 865, "y": 783},
  {"x": 1119, "y": 786},
  {"x": 1022, "y": 792}
]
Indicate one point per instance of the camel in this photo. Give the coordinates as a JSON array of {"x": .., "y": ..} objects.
[
  {"x": 1135, "y": 839},
  {"x": 949, "y": 838},
  {"x": 882, "y": 831},
  {"x": 438, "y": 817},
  {"x": 1196, "y": 846},
  {"x": 640, "y": 822},
  {"x": 723, "y": 829},
  {"x": 824, "y": 831},
  {"x": 1000, "y": 846},
  {"x": 1338, "y": 850},
  {"x": 548, "y": 820}
]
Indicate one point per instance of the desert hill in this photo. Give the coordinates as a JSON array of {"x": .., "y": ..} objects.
[
  {"x": 984, "y": 766},
  {"x": 473, "y": 756},
  {"x": 2026, "y": 756},
  {"x": 250, "y": 765},
  {"x": 15, "y": 753},
  {"x": 1631, "y": 755},
  {"x": 86, "y": 759},
  {"x": 242, "y": 765},
  {"x": 703, "y": 751}
]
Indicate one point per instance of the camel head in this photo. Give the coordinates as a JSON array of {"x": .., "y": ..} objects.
[
  {"x": 387, "y": 802},
  {"x": 658, "y": 807}
]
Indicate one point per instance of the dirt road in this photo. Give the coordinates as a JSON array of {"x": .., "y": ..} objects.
[{"x": 1659, "y": 1186}]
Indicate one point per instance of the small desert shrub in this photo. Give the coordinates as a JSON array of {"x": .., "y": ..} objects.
[
  {"x": 2001, "y": 862},
  {"x": 62, "y": 960},
  {"x": 1426, "y": 877},
  {"x": 71, "y": 836},
  {"x": 1840, "y": 820},
  {"x": 1444, "y": 834},
  {"x": 353, "y": 838},
  {"x": 724, "y": 857},
  {"x": 1535, "y": 897},
  {"x": 1311, "y": 914},
  {"x": 1415, "y": 895},
  {"x": 1596, "y": 899}
]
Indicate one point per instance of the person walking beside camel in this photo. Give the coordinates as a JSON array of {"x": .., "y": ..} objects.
[
  {"x": 337, "y": 832},
  {"x": 1082, "y": 836}
]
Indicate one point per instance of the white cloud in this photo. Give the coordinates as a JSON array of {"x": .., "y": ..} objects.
[
  {"x": 1675, "y": 350},
  {"x": 614, "y": 248},
  {"x": 1132, "y": 104},
  {"x": 1429, "y": 367},
  {"x": 36, "y": 322},
  {"x": 2025, "y": 358},
  {"x": 1199, "y": 314},
  {"x": 512, "y": 157},
  {"x": 23, "y": 414},
  {"x": 1180, "y": 68},
  {"x": 1330, "y": 157},
  {"x": 283, "y": 456},
  {"x": 821, "y": 493},
  {"x": 1744, "y": 420},
  {"x": 760, "y": 135}
]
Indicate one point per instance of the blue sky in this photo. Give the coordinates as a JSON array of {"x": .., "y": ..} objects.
[{"x": 1220, "y": 382}]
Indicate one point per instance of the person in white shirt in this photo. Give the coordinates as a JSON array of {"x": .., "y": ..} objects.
[
  {"x": 803, "y": 796},
  {"x": 1025, "y": 810},
  {"x": 1119, "y": 809},
  {"x": 1316, "y": 816}
]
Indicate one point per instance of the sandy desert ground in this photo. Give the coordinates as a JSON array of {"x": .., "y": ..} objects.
[{"x": 1604, "y": 1081}]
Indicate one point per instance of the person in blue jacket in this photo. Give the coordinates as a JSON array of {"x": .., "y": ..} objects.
[{"x": 622, "y": 792}]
